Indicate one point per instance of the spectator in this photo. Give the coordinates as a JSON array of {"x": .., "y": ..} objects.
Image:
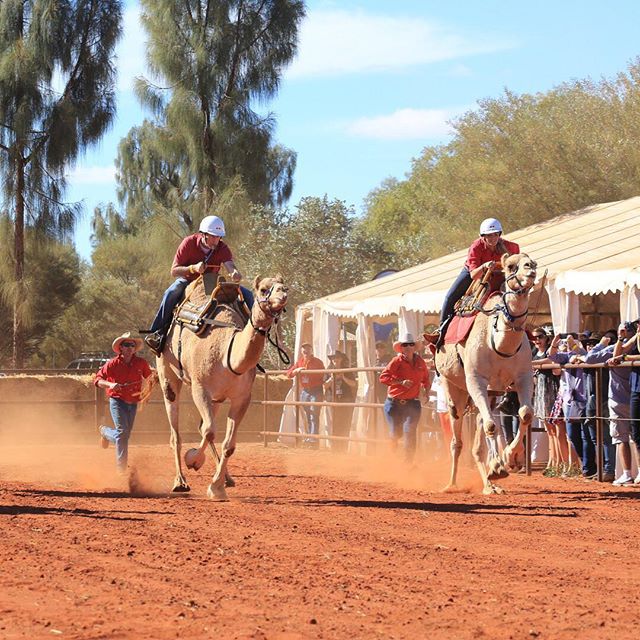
[
  {"x": 345, "y": 386},
  {"x": 589, "y": 434},
  {"x": 618, "y": 393},
  {"x": 197, "y": 253},
  {"x": 484, "y": 255},
  {"x": 405, "y": 375},
  {"x": 122, "y": 378},
  {"x": 310, "y": 388},
  {"x": 442, "y": 410},
  {"x": 382, "y": 360},
  {"x": 570, "y": 392},
  {"x": 627, "y": 349},
  {"x": 546, "y": 384},
  {"x": 508, "y": 408}
]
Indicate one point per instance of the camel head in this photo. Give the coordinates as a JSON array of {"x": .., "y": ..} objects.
[
  {"x": 270, "y": 297},
  {"x": 519, "y": 272}
]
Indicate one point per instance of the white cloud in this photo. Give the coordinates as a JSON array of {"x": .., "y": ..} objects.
[
  {"x": 94, "y": 175},
  {"x": 130, "y": 51},
  {"x": 405, "y": 124},
  {"x": 334, "y": 42}
]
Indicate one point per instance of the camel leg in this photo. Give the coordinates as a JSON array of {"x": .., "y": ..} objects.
[
  {"x": 514, "y": 453},
  {"x": 216, "y": 490},
  {"x": 171, "y": 386},
  {"x": 228, "y": 480},
  {"x": 478, "y": 391},
  {"x": 207, "y": 409},
  {"x": 457, "y": 403},
  {"x": 479, "y": 455}
]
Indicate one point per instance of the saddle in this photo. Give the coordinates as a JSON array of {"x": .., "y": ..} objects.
[
  {"x": 197, "y": 312},
  {"x": 468, "y": 307}
]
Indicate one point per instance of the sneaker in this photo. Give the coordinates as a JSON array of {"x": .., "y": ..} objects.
[
  {"x": 624, "y": 480},
  {"x": 104, "y": 441},
  {"x": 637, "y": 480},
  {"x": 155, "y": 342}
]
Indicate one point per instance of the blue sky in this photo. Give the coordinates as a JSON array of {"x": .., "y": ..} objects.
[{"x": 375, "y": 81}]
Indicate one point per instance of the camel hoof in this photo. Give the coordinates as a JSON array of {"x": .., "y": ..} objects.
[
  {"x": 450, "y": 488},
  {"x": 498, "y": 474},
  {"x": 194, "y": 459},
  {"x": 217, "y": 494},
  {"x": 181, "y": 488},
  {"x": 229, "y": 481},
  {"x": 492, "y": 489}
]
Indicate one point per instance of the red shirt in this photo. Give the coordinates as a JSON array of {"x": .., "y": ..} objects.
[
  {"x": 479, "y": 253},
  {"x": 308, "y": 380},
  {"x": 117, "y": 370},
  {"x": 191, "y": 251},
  {"x": 400, "y": 369}
]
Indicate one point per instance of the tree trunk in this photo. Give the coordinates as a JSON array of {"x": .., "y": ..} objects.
[{"x": 18, "y": 331}]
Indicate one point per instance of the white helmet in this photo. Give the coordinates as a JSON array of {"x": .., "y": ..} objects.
[
  {"x": 490, "y": 225},
  {"x": 212, "y": 225}
]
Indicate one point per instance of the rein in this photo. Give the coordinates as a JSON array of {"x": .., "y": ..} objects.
[
  {"x": 510, "y": 318},
  {"x": 265, "y": 332}
]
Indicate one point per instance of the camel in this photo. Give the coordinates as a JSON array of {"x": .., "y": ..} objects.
[
  {"x": 495, "y": 354},
  {"x": 218, "y": 365}
]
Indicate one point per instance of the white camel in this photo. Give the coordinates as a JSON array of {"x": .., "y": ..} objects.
[
  {"x": 496, "y": 354},
  {"x": 219, "y": 365}
]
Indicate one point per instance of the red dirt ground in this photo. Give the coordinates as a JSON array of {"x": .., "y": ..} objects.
[{"x": 310, "y": 546}]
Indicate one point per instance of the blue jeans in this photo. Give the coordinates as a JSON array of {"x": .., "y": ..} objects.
[
  {"x": 403, "y": 420},
  {"x": 173, "y": 295},
  {"x": 123, "y": 415},
  {"x": 456, "y": 291},
  {"x": 313, "y": 394},
  {"x": 170, "y": 299}
]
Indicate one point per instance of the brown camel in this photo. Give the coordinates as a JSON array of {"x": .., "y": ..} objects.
[
  {"x": 219, "y": 365},
  {"x": 495, "y": 354}
]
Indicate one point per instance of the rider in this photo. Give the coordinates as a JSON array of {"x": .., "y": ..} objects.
[
  {"x": 484, "y": 254},
  {"x": 197, "y": 253}
]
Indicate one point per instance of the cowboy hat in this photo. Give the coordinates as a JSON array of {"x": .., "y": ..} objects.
[
  {"x": 126, "y": 336},
  {"x": 404, "y": 337}
]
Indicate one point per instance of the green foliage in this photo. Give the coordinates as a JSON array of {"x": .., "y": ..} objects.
[
  {"x": 56, "y": 98},
  {"x": 53, "y": 279},
  {"x": 215, "y": 61},
  {"x": 520, "y": 158}
]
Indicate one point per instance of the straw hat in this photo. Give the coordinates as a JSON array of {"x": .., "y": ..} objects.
[
  {"x": 405, "y": 337},
  {"x": 126, "y": 336}
]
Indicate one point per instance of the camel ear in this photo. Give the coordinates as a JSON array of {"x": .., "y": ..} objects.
[
  {"x": 503, "y": 260},
  {"x": 279, "y": 278},
  {"x": 256, "y": 282}
]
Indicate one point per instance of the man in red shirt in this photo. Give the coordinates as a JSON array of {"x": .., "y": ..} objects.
[
  {"x": 310, "y": 387},
  {"x": 484, "y": 253},
  {"x": 405, "y": 375},
  {"x": 122, "y": 377},
  {"x": 197, "y": 253}
]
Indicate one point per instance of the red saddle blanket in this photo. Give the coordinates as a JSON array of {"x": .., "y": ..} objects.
[{"x": 459, "y": 329}]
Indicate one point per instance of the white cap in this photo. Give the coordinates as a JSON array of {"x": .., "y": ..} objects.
[
  {"x": 212, "y": 225},
  {"x": 490, "y": 225}
]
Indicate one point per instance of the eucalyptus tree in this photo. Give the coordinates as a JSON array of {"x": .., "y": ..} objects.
[
  {"x": 56, "y": 98},
  {"x": 210, "y": 65}
]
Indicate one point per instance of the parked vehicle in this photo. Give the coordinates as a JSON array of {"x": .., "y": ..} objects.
[{"x": 88, "y": 361}]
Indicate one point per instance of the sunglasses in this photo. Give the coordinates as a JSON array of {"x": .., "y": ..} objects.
[
  {"x": 538, "y": 337},
  {"x": 127, "y": 344},
  {"x": 407, "y": 344}
]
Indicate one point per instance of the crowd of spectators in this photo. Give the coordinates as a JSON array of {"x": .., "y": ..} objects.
[{"x": 564, "y": 400}]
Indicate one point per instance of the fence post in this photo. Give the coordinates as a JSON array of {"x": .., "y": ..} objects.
[
  {"x": 599, "y": 426},
  {"x": 265, "y": 408}
]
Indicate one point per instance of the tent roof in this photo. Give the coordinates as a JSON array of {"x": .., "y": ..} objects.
[{"x": 589, "y": 251}]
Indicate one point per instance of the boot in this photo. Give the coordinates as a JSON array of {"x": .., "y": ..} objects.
[{"x": 155, "y": 342}]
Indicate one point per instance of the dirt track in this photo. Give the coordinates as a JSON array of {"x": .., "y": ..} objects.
[{"x": 310, "y": 546}]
